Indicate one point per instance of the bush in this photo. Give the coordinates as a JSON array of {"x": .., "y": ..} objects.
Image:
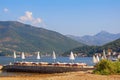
[
  {"x": 106, "y": 67},
  {"x": 117, "y": 66}
]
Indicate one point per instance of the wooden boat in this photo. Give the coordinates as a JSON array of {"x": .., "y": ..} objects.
[{"x": 44, "y": 67}]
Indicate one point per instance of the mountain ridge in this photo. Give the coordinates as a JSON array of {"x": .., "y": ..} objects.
[
  {"x": 16, "y": 36},
  {"x": 98, "y": 39}
]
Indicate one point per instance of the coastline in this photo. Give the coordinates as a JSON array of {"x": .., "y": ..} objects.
[{"x": 80, "y": 75}]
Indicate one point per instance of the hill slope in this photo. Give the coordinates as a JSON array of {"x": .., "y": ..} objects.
[
  {"x": 99, "y": 39},
  {"x": 90, "y": 50},
  {"x": 115, "y": 45},
  {"x": 16, "y": 36}
]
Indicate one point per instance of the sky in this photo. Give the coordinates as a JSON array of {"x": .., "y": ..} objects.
[{"x": 68, "y": 17}]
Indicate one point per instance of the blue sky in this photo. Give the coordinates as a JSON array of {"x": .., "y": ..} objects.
[{"x": 74, "y": 17}]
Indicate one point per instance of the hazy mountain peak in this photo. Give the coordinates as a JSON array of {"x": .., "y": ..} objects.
[
  {"x": 100, "y": 38},
  {"x": 103, "y": 33}
]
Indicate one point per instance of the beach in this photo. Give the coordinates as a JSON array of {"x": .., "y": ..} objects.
[{"x": 80, "y": 75}]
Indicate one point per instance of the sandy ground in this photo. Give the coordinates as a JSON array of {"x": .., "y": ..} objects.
[{"x": 65, "y": 76}]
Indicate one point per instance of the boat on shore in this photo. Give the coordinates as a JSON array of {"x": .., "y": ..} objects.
[{"x": 44, "y": 67}]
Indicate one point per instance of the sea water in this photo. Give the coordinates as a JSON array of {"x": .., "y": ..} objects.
[{"x": 6, "y": 60}]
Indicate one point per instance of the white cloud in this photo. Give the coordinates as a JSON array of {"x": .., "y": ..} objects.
[
  {"x": 28, "y": 17},
  {"x": 38, "y": 20},
  {"x": 5, "y": 10}
]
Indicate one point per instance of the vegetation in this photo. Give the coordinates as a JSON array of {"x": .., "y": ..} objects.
[
  {"x": 106, "y": 67},
  {"x": 115, "y": 45},
  {"x": 15, "y": 36},
  {"x": 90, "y": 50},
  {"x": 86, "y": 50}
]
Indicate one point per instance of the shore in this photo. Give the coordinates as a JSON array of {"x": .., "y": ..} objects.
[{"x": 81, "y": 75}]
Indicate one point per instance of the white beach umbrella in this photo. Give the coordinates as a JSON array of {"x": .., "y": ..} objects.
[
  {"x": 97, "y": 58},
  {"x": 54, "y": 56},
  {"x": 104, "y": 55},
  {"x": 114, "y": 53},
  {"x": 38, "y": 55},
  {"x": 109, "y": 53},
  {"x": 23, "y": 55},
  {"x": 72, "y": 56},
  {"x": 14, "y": 56},
  {"x": 118, "y": 56},
  {"x": 94, "y": 59}
]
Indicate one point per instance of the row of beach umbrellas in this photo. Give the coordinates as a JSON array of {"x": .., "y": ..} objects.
[
  {"x": 96, "y": 58},
  {"x": 72, "y": 58}
]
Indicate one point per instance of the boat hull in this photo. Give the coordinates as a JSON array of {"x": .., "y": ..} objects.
[{"x": 43, "y": 69}]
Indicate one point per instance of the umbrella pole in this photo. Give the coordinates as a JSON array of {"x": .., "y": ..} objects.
[
  {"x": 54, "y": 60},
  {"x": 14, "y": 59}
]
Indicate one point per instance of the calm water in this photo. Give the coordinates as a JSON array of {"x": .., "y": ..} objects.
[{"x": 6, "y": 60}]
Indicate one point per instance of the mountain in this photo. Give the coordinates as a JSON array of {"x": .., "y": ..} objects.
[
  {"x": 99, "y": 39},
  {"x": 16, "y": 36},
  {"x": 90, "y": 50},
  {"x": 114, "y": 45}
]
